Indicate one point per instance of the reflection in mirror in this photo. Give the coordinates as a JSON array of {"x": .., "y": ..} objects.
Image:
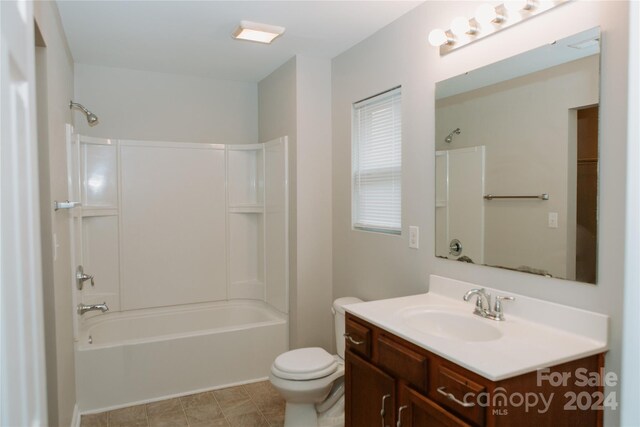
[{"x": 517, "y": 161}]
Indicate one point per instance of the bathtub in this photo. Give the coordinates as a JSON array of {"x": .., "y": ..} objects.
[{"x": 145, "y": 355}]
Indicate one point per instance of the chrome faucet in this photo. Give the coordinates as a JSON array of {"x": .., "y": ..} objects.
[
  {"x": 483, "y": 304},
  {"x": 83, "y": 308}
]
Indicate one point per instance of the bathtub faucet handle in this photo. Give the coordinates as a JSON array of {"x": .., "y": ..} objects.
[{"x": 81, "y": 277}]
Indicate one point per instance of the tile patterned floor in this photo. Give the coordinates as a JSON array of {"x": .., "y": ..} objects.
[{"x": 249, "y": 405}]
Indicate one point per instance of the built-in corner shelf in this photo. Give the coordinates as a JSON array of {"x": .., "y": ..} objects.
[
  {"x": 246, "y": 222},
  {"x": 258, "y": 209}
]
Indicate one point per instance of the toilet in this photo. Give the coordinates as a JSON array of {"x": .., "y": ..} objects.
[{"x": 311, "y": 381}]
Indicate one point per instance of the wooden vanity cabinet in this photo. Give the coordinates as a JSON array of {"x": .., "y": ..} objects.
[{"x": 391, "y": 382}]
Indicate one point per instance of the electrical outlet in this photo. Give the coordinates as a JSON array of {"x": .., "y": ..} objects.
[
  {"x": 414, "y": 236},
  {"x": 553, "y": 219}
]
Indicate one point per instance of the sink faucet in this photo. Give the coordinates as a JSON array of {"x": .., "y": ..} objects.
[
  {"x": 483, "y": 304},
  {"x": 83, "y": 308}
]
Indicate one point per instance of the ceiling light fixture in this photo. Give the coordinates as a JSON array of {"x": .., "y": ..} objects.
[
  {"x": 256, "y": 32},
  {"x": 489, "y": 19}
]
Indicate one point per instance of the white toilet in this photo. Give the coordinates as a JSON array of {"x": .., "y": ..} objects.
[{"x": 311, "y": 380}]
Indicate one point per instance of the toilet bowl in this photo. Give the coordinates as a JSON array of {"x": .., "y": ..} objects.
[{"x": 311, "y": 380}]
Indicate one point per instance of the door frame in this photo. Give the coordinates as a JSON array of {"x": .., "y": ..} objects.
[{"x": 23, "y": 399}]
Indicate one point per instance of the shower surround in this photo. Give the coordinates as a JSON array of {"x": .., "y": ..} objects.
[{"x": 188, "y": 246}]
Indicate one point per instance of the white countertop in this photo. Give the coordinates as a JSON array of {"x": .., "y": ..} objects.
[{"x": 535, "y": 333}]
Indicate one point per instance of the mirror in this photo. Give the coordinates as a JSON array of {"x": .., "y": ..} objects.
[{"x": 517, "y": 161}]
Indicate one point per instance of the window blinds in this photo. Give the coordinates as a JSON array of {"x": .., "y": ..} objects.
[{"x": 377, "y": 162}]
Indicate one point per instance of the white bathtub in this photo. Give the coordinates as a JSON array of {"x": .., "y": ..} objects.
[{"x": 156, "y": 353}]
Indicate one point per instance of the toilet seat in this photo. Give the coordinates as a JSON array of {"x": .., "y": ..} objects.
[{"x": 304, "y": 364}]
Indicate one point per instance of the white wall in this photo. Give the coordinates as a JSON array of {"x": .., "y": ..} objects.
[
  {"x": 313, "y": 177},
  {"x": 377, "y": 266},
  {"x": 144, "y": 105},
  {"x": 54, "y": 89},
  {"x": 295, "y": 100}
]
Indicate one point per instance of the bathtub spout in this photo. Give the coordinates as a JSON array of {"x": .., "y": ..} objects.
[{"x": 83, "y": 308}]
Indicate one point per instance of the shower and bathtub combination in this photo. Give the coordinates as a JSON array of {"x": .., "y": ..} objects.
[{"x": 187, "y": 247}]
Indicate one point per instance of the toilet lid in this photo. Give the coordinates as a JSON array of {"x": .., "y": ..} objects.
[{"x": 304, "y": 364}]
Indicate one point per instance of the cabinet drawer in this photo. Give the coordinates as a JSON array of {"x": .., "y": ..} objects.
[
  {"x": 357, "y": 338},
  {"x": 450, "y": 389},
  {"x": 403, "y": 362}
]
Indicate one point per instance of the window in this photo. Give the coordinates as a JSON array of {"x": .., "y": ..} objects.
[{"x": 377, "y": 163}]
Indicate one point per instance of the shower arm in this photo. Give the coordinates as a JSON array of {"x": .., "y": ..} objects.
[{"x": 80, "y": 106}]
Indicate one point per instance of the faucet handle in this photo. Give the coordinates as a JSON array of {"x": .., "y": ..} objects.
[
  {"x": 81, "y": 277},
  {"x": 483, "y": 301},
  {"x": 497, "y": 308}
]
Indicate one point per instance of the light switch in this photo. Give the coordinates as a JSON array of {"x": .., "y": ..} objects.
[
  {"x": 553, "y": 219},
  {"x": 414, "y": 236}
]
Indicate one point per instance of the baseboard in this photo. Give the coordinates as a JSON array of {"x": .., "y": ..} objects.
[{"x": 75, "y": 419}]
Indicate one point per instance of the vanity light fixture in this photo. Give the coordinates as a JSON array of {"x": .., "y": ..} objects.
[
  {"x": 462, "y": 25},
  {"x": 489, "y": 19},
  {"x": 515, "y": 6},
  {"x": 256, "y": 32},
  {"x": 440, "y": 37},
  {"x": 487, "y": 14}
]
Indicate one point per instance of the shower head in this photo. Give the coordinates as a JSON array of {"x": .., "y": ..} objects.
[
  {"x": 449, "y": 137},
  {"x": 92, "y": 119}
]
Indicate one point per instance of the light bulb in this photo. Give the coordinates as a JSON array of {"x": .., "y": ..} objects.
[
  {"x": 460, "y": 25},
  {"x": 486, "y": 14},
  {"x": 438, "y": 37},
  {"x": 515, "y": 6}
]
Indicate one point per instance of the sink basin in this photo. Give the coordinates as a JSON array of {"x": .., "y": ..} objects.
[{"x": 451, "y": 325}]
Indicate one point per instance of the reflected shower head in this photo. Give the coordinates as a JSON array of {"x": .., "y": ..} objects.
[
  {"x": 449, "y": 137},
  {"x": 92, "y": 119}
]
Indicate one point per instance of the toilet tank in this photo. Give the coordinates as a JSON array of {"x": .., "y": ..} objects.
[{"x": 338, "y": 320}]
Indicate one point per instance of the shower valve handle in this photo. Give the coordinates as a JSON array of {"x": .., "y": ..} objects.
[{"x": 81, "y": 277}]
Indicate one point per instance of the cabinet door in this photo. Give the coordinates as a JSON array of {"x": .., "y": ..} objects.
[
  {"x": 415, "y": 410},
  {"x": 370, "y": 394}
]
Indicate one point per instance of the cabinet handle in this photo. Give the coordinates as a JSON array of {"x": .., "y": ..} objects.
[
  {"x": 351, "y": 340},
  {"x": 402, "y": 408},
  {"x": 382, "y": 411},
  {"x": 450, "y": 396}
]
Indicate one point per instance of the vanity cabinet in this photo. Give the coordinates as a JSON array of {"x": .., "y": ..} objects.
[{"x": 391, "y": 382}]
